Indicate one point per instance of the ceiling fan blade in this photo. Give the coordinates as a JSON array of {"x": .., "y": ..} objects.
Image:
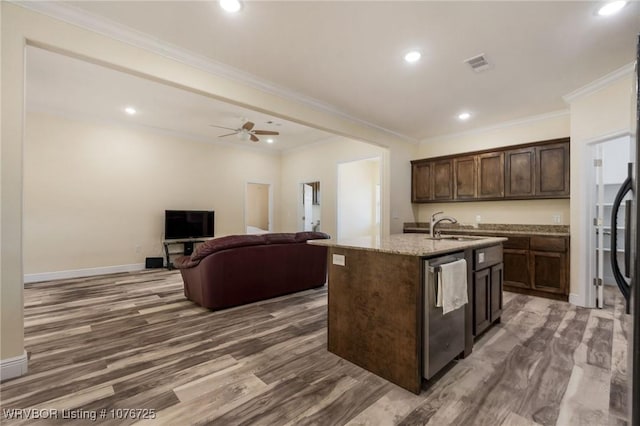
[
  {"x": 228, "y": 134},
  {"x": 248, "y": 125},
  {"x": 254, "y": 138},
  {"x": 220, "y": 127},
  {"x": 265, "y": 132}
]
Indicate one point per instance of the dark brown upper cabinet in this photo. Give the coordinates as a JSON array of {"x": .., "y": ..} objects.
[
  {"x": 421, "y": 182},
  {"x": 520, "y": 172},
  {"x": 442, "y": 180},
  {"x": 490, "y": 181},
  {"x": 465, "y": 177},
  {"x": 528, "y": 171},
  {"x": 552, "y": 170}
]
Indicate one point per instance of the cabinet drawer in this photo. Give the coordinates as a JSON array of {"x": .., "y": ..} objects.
[
  {"x": 487, "y": 256},
  {"x": 518, "y": 243},
  {"x": 557, "y": 244}
]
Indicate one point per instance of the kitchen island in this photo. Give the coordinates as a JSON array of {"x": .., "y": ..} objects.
[{"x": 376, "y": 299}]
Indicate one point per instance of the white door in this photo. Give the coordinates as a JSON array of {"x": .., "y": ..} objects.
[{"x": 307, "y": 201}]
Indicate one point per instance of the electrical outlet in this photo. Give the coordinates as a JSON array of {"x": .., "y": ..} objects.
[
  {"x": 556, "y": 218},
  {"x": 338, "y": 259},
  {"x": 478, "y": 218},
  {"x": 138, "y": 249}
]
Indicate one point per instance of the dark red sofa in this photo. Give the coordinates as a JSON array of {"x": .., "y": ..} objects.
[{"x": 239, "y": 269}]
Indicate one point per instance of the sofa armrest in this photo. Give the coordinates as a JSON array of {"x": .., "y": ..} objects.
[{"x": 184, "y": 262}]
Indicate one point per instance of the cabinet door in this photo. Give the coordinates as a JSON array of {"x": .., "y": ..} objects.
[
  {"x": 442, "y": 180},
  {"x": 520, "y": 173},
  {"x": 465, "y": 178},
  {"x": 496, "y": 291},
  {"x": 548, "y": 271},
  {"x": 490, "y": 175},
  {"x": 481, "y": 299},
  {"x": 421, "y": 182},
  {"x": 516, "y": 268},
  {"x": 552, "y": 170}
]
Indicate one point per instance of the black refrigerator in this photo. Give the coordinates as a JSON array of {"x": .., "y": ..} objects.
[
  {"x": 634, "y": 345},
  {"x": 627, "y": 278}
]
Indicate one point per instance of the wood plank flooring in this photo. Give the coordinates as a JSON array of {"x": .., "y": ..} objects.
[{"x": 132, "y": 341}]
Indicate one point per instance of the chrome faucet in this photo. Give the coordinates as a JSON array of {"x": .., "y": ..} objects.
[{"x": 435, "y": 222}]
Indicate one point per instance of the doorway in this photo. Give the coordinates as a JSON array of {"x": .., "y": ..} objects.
[
  {"x": 257, "y": 211},
  {"x": 359, "y": 198},
  {"x": 610, "y": 158},
  {"x": 309, "y": 207}
]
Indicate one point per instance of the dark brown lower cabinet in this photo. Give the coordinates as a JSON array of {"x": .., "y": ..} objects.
[
  {"x": 497, "y": 278},
  {"x": 481, "y": 299},
  {"x": 488, "y": 277},
  {"x": 537, "y": 265},
  {"x": 516, "y": 268},
  {"x": 487, "y": 297},
  {"x": 548, "y": 271}
]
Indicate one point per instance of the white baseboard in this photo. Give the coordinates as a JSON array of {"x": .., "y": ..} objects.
[
  {"x": 79, "y": 273},
  {"x": 13, "y": 367},
  {"x": 578, "y": 300}
]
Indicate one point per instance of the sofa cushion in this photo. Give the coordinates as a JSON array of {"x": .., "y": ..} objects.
[
  {"x": 280, "y": 238},
  {"x": 225, "y": 243},
  {"x": 308, "y": 235}
]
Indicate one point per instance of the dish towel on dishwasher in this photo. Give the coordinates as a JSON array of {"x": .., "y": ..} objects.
[{"x": 452, "y": 286}]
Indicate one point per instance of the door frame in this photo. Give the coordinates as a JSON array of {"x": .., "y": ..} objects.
[
  {"x": 588, "y": 253},
  {"x": 299, "y": 200}
]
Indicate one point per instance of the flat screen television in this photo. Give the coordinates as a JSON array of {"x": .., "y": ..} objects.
[{"x": 179, "y": 224}]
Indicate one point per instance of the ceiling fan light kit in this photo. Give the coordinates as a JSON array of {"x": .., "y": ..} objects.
[{"x": 246, "y": 132}]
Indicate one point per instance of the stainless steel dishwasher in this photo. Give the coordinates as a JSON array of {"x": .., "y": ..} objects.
[{"x": 443, "y": 335}]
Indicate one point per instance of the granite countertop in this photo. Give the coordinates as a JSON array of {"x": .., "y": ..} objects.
[
  {"x": 409, "y": 244},
  {"x": 494, "y": 229}
]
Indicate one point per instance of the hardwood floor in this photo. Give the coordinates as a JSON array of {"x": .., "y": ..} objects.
[{"x": 132, "y": 341}]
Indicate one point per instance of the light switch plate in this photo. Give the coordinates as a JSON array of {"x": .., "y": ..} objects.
[
  {"x": 480, "y": 257},
  {"x": 338, "y": 259}
]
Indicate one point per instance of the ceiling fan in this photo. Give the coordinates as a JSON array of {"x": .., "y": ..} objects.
[{"x": 246, "y": 132}]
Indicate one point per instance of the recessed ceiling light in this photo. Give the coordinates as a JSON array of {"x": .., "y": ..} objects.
[
  {"x": 464, "y": 116},
  {"x": 230, "y": 5},
  {"x": 611, "y": 8},
  {"x": 269, "y": 140},
  {"x": 413, "y": 56},
  {"x": 130, "y": 110}
]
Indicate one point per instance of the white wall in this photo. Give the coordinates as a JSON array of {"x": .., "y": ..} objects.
[
  {"x": 551, "y": 126},
  {"x": 319, "y": 162},
  {"x": 615, "y": 155},
  {"x": 357, "y": 182},
  {"x": 95, "y": 194}
]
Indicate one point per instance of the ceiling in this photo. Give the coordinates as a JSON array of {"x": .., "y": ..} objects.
[
  {"x": 347, "y": 55},
  {"x": 63, "y": 85}
]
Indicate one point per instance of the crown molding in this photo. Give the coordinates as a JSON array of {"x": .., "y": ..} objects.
[
  {"x": 503, "y": 125},
  {"x": 75, "y": 16},
  {"x": 600, "y": 83}
]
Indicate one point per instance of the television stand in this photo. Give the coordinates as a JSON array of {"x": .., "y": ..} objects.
[{"x": 188, "y": 246}]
